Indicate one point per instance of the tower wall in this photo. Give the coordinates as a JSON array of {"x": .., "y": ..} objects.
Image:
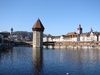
[
  {"x": 78, "y": 37},
  {"x": 37, "y": 39},
  {"x": 79, "y": 29}
]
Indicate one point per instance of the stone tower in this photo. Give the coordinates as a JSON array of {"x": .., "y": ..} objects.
[
  {"x": 11, "y": 30},
  {"x": 91, "y": 30},
  {"x": 38, "y": 29},
  {"x": 11, "y": 34},
  {"x": 79, "y": 29}
]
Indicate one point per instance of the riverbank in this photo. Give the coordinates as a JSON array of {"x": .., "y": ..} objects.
[{"x": 73, "y": 45}]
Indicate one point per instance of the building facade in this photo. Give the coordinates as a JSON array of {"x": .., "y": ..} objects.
[
  {"x": 75, "y": 36},
  {"x": 4, "y": 36}
]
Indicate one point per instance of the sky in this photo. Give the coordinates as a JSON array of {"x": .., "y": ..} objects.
[{"x": 59, "y": 17}]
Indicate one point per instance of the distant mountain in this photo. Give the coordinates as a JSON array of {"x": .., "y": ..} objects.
[{"x": 26, "y": 35}]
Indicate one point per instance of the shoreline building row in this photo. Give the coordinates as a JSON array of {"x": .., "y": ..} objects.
[
  {"x": 75, "y": 36},
  {"x": 4, "y": 37}
]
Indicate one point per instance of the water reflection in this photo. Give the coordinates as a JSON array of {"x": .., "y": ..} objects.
[
  {"x": 37, "y": 61},
  {"x": 37, "y": 54},
  {"x": 84, "y": 62},
  {"x": 16, "y": 61},
  {"x": 6, "y": 53}
]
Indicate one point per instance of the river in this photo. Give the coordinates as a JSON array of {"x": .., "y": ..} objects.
[{"x": 29, "y": 61}]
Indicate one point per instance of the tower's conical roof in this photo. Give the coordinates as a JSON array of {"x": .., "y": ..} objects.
[{"x": 38, "y": 26}]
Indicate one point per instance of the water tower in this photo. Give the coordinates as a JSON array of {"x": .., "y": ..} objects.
[{"x": 38, "y": 29}]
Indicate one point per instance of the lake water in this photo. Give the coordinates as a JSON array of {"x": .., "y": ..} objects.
[{"x": 29, "y": 61}]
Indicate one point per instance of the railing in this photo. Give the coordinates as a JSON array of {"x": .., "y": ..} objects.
[{"x": 82, "y": 43}]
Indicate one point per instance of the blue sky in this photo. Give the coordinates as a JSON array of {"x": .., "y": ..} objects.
[{"x": 58, "y": 16}]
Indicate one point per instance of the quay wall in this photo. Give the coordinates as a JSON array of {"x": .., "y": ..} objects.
[{"x": 73, "y": 45}]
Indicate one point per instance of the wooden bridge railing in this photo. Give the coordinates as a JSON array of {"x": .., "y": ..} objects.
[{"x": 92, "y": 43}]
